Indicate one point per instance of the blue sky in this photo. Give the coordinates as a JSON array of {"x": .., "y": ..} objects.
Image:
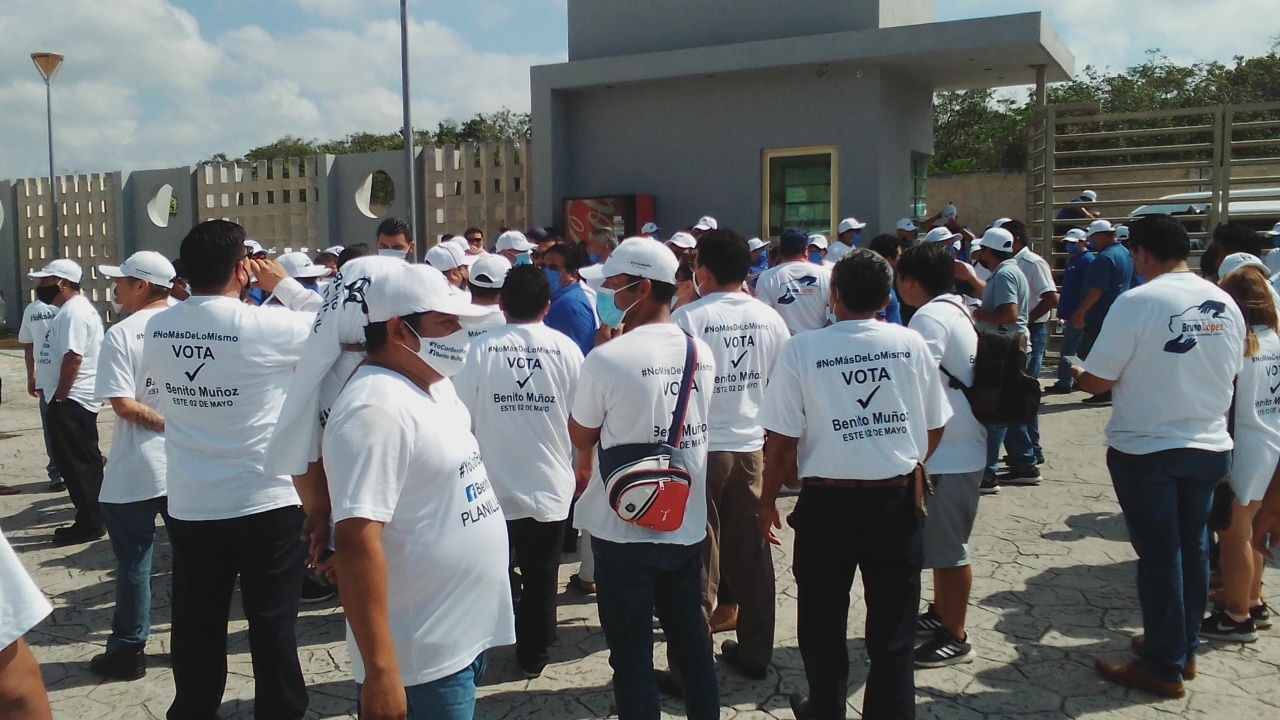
[{"x": 159, "y": 83}]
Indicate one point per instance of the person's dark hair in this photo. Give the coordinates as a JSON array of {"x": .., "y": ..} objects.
[
  {"x": 210, "y": 253},
  {"x": 179, "y": 269},
  {"x": 471, "y": 230},
  {"x": 1017, "y": 229},
  {"x": 325, "y": 256},
  {"x": 887, "y": 246},
  {"x": 351, "y": 252},
  {"x": 684, "y": 271},
  {"x": 392, "y": 227},
  {"x": 483, "y": 293},
  {"x": 446, "y": 237},
  {"x": 1162, "y": 237},
  {"x": 724, "y": 253},
  {"x": 1209, "y": 261},
  {"x": 1236, "y": 237},
  {"x": 525, "y": 293},
  {"x": 931, "y": 265},
  {"x": 73, "y": 285},
  {"x": 571, "y": 255},
  {"x": 863, "y": 279},
  {"x": 375, "y": 334},
  {"x": 663, "y": 292}
]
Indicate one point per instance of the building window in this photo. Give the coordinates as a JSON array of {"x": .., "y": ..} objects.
[
  {"x": 800, "y": 190},
  {"x": 919, "y": 185}
]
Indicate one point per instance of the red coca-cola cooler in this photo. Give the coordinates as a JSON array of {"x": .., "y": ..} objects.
[{"x": 625, "y": 214}]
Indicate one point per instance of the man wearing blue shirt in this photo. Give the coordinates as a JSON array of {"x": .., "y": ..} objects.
[
  {"x": 571, "y": 310},
  {"x": 1072, "y": 293},
  {"x": 1110, "y": 275},
  {"x": 888, "y": 247}
]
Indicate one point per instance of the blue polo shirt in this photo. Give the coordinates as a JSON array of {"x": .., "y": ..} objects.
[
  {"x": 1073, "y": 279},
  {"x": 1112, "y": 273},
  {"x": 571, "y": 313},
  {"x": 892, "y": 313}
]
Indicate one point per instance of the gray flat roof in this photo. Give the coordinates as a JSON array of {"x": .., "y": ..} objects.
[{"x": 958, "y": 55}]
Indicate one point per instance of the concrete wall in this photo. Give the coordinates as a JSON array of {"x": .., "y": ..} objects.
[
  {"x": 9, "y": 259},
  {"x": 607, "y": 28},
  {"x": 145, "y": 220},
  {"x": 696, "y": 144},
  {"x": 981, "y": 197},
  {"x": 350, "y": 224}
]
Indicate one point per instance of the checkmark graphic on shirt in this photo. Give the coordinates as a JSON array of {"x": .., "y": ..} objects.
[
  {"x": 740, "y": 357},
  {"x": 525, "y": 381},
  {"x": 865, "y": 403},
  {"x": 1274, "y": 388},
  {"x": 191, "y": 376}
]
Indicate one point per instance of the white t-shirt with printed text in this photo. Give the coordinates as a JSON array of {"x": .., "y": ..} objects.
[
  {"x": 77, "y": 328},
  {"x": 746, "y": 337},
  {"x": 399, "y": 456},
  {"x": 944, "y": 324},
  {"x": 628, "y": 388},
  {"x": 35, "y": 323},
  {"x": 136, "y": 468},
  {"x": 861, "y": 395},
  {"x": 800, "y": 291},
  {"x": 1257, "y": 420},
  {"x": 518, "y": 384},
  {"x": 479, "y": 326}
]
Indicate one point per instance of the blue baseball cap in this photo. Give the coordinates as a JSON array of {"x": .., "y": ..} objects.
[{"x": 793, "y": 241}]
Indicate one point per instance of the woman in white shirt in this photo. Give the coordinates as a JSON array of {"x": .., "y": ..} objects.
[{"x": 1240, "y": 612}]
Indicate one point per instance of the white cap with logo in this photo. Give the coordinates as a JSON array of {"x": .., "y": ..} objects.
[
  {"x": 1074, "y": 235},
  {"x": 650, "y": 229},
  {"x": 1122, "y": 232},
  {"x": 490, "y": 271},
  {"x": 513, "y": 240},
  {"x": 906, "y": 225},
  {"x": 255, "y": 248},
  {"x": 818, "y": 241},
  {"x": 706, "y": 222},
  {"x": 643, "y": 258},
  {"x": 942, "y": 233},
  {"x": 447, "y": 256},
  {"x": 63, "y": 268},
  {"x": 996, "y": 239},
  {"x": 143, "y": 265},
  {"x": 1000, "y": 222},
  {"x": 334, "y": 250},
  {"x": 298, "y": 265},
  {"x": 1237, "y": 261},
  {"x": 850, "y": 223},
  {"x": 683, "y": 240},
  {"x": 408, "y": 289},
  {"x": 1099, "y": 226}
]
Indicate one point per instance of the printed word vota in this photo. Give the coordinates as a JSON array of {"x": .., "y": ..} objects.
[
  {"x": 519, "y": 363},
  {"x": 193, "y": 352},
  {"x": 863, "y": 376},
  {"x": 739, "y": 341}
]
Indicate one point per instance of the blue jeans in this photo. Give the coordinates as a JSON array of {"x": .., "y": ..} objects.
[
  {"x": 1071, "y": 338},
  {"x": 132, "y": 528},
  {"x": 54, "y": 474},
  {"x": 449, "y": 698},
  {"x": 1166, "y": 497},
  {"x": 633, "y": 580}
]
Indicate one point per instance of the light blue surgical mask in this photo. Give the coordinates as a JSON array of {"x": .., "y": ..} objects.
[
  {"x": 524, "y": 259},
  {"x": 553, "y": 276},
  {"x": 595, "y": 259},
  {"x": 608, "y": 310},
  {"x": 817, "y": 258}
]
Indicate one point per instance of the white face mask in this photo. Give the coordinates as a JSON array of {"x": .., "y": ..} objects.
[
  {"x": 393, "y": 252},
  {"x": 446, "y": 355},
  {"x": 116, "y": 307}
]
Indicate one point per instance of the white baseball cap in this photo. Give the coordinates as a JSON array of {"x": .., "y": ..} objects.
[
  {"x": 706, "y": 222},
  {"x": 1122, "y": 232},
  {"x": 650, "y": 229},
  {"x": 63, "y": 268},
  {"x": 335, "y": 250},
  {"x": 298, "y": 265},
  {"x": 255, "y": 247},
  {"x": 950, "y": 212},
  {"x": 143, "y": 265},
  {"x": 1074, "y": 235},
  {"x": 1089, "y": 195},
  {"x": 1273, "y": 232},
  {"x": 942, "y": 233},
  {"x": 996, "y": 239},
  {"x": 755, "y": 244},
  {"x": 490, "y": 271},
  {"x": 1236, "y": 261},
  {"x": 1000, "y": 223},
  {"x": 643, "y": 258},
  {"x": 906, "y": 225},
  {"x": 513, "y": 240},
  {"x": 850, "y": 223},
  {"x": 1099, "y": 226},
  {"x": 448, "y": 255},
  {"x": 683, "y": 240},
  {"x": 818, "y": 241},
  {"x": 407, "y": 289}
]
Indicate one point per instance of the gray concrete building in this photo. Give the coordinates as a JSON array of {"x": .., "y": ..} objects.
[{"x": 766, "y": 114}]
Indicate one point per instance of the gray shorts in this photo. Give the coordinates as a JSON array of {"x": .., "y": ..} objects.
[{"x": 952, "y": 508}]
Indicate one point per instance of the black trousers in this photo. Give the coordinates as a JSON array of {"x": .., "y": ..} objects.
[
  {"x": 266, "y": 552},
  {"x": 73, "y": 436},
  {"x": 535, "y": 549},
  {"x": 838, "y": 531}
]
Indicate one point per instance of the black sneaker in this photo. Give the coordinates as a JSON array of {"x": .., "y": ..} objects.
[
  {"x": 57, "y": 485},
  {"x": 1098, "y": 400},
  {"x": 667, "y": 684},
  {"x": 990, "y": 485},
  {"x": 1008, "y": 461},
  {"x": 76, "y": 534},
  {"x": 731, "y": 654},
  {"x": 927, "y": 623},
  {"x": 1261, "y": 615},
  {"x": 1019, "y": 477},
  {"x": 316, "y": 589},
  {"x": 1059, "y": 389},
  {"x": 1220, "y": 626},
  {"x": 800, "y": 705},
  {"x": 943, "y": 649},
  {"x": 125, "y": 663},
  {"x": 531, "y": 672}
]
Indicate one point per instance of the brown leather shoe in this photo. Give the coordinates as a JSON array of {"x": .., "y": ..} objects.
[
  {"x": 1188, "y": 670},
  {"x": 1132, "y": 674},
  {"x": 724, "y": 619}
]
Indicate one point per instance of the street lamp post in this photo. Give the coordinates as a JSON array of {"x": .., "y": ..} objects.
[
  {"x": 408, "y": 126},
  {"x": 48, "y": 64}
]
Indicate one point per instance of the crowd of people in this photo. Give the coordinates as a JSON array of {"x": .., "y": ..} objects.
[{"x": 428, "y": 439}]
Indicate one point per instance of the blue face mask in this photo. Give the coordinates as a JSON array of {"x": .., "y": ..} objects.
[
  {"x": 524, "y": 259},
  {"x": 595, "y": 259},
  {"x": 1075, "y": 248},
  {"x": 553, "y": 276},
  {"x": 817, "y": 258},
  {"x": 608, "y": 310}
]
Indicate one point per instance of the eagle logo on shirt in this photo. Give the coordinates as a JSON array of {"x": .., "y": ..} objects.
[
  {"x": 353, "y": 292},
  {"x": 1207, "y": 318},
  {"x": 795, "y": 288}
]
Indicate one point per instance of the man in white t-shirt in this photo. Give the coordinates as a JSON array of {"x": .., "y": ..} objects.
[
  {"x": 627, "y": 394},
  {"x": 794, "y": 287},
  {"x": 420, "y": 534},
  {"x": 65, "y": 369},
  {"x": 485, "y": 283},
  {"x": 222, "y": 367},
  {"x": 22, "y": 605},
  {"x": 853, "y": 411},
  {"x": 133, "y": 487},
  {"x": 847, "y": 236},
  {"x": 745, "y": 337},
  {"x": 518, "y": 384},
  {"x": 1171, "y": 350},
  {"x": 1044, "y": 298},
  {"x": 926, "y": 276},
  {"x": 35, "y": 325}
]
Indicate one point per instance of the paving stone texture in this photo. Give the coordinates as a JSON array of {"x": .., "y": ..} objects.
[{"x": 1053, "y": 591}]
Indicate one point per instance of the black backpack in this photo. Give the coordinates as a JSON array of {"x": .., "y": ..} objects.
[{"x": 1003, "y": 395}]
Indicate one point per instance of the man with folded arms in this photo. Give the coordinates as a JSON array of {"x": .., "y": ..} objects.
[{"x": 853, "y": 411}]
